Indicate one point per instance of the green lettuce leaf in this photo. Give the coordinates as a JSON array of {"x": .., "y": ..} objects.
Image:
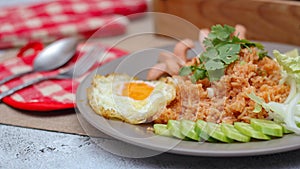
[{"x": 290, "y": 62}]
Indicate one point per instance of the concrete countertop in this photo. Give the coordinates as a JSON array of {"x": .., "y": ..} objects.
[{"x": 23, "y": 148}]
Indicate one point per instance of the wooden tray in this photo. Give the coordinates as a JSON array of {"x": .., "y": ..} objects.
[{"x": 266, "y": 20}]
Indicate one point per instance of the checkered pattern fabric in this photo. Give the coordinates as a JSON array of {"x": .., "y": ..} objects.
[
  {"x": 51, "y": 20},
  {"x": 51, "y": 94}
]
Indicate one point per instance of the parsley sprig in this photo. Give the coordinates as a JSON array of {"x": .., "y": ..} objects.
[{"x": 222, "y": 49}]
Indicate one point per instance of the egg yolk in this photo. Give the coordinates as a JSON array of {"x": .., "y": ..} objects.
[{"x": 137, "y": 91}]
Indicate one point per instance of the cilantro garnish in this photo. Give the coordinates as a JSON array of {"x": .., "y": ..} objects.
[{"x": 222, "y": 49}]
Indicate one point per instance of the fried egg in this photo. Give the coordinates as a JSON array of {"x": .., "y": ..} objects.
[{"x": 126, "y": 98}]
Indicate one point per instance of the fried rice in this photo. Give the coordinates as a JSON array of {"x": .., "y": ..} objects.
[{"x": 226, "y": 100}]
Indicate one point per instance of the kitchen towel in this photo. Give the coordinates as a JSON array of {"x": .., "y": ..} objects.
[
  {"x": 47, "y": 21},
  {"x": 51, "y": 94}
]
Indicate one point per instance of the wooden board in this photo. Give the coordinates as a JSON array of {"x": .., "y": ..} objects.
[{"x": 266, "y": 20}]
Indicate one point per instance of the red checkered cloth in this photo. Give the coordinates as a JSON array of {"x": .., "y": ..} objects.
[
  {"x": 51, "y": 94},
  {"x": 51, "y": 20}
]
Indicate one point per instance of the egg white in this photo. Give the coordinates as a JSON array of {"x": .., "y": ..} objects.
[{"x": 105, "y": 97}]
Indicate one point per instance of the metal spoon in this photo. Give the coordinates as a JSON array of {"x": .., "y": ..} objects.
[
  {"x": 53, "y": 56},
  {"x": 82, "y": 65}
]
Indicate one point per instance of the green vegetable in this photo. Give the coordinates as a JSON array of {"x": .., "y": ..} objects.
[
  {"x": 290, "y": 62},
  {"x": 247, "y": 130},
  {"x": 267, "y": 127},
  {"x": 285, "y": 130},
  {"x": 222, "y": 49},
  {"x": 186, "y": 70},
  {"x": 187, "y": 128},
  {"x": 257, "y": 108},
  {"x": 161, "y": 129},
  {"x": 215, "y": 132},
  {"x": 198, "y": 74},
  {"x": 174, "y": 128},
  {"x": 212, "y": 132},
  {"x": 202, "y": 129},
  {"x": 233, "y": 133}
]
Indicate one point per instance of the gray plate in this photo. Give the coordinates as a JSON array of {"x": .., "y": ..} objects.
[{"x": 136, "y": 64}]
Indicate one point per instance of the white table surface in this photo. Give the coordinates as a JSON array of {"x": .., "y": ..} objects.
[{"x": 24, "y": 148}]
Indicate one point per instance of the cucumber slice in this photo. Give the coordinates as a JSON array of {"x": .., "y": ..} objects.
[
  {"x": 187, "y": 128},
  {"x": 162, "y": 130},
  {"x": 233, "y": 133},
  {"x": 174, "y": 128},
  {"x": 285, "y": 130},
  {"x": 267, "y": 127},
  {"x": 214, "y": 130},
  {"x": 246, "y": 129},
  {"x": 201, "y": 129}
]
